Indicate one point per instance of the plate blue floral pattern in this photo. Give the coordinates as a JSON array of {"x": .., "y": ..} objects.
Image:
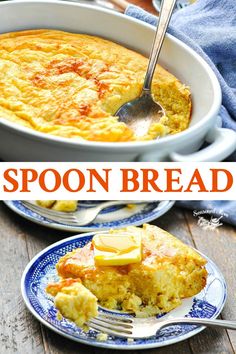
[
  {"x": 41, "y": 271},
  {"x": 113, "y": 217}
]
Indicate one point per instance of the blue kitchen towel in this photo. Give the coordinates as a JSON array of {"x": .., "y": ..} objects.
[
  {"x": 209, "y": 27},
  {"x": 206, "y": 210}
]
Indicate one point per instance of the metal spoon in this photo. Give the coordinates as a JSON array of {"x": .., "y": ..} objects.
[
  {"x": 180, "y": 4},
  {"x": 141, "y": 112}
]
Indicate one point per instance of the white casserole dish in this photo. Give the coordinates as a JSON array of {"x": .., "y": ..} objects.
[{"x": 18, "y": 143}]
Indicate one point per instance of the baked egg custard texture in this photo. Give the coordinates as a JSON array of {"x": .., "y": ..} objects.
[
  {"x": 59, "y": 205},
  {"x": 71, "y": 85},
  {"x": 148, "y": 274}
]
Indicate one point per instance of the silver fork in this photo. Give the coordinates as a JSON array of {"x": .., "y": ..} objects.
[
  {"x": 77, "y": 218},
  {"x": 128, "y": 327}
]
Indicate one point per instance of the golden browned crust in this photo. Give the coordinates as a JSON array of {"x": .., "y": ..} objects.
[
  {"x": 169, "y": 272},
  {"x": 71, "y": 85}
]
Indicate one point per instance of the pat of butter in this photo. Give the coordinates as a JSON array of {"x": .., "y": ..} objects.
[{"x": 117, "y": 249}]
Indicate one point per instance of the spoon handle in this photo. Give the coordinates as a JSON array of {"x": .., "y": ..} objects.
[{"x": 166, "y": 10}]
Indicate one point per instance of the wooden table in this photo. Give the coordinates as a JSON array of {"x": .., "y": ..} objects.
[
  {"x": 145, "y": 4},
  {"x": 20, "y": 240}
]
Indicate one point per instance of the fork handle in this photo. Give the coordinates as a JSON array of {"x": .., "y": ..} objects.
[
  {"x": 202, "y": 321},
  {"x": 166, "y": 10},
  {"x": 120, "y": 202}
]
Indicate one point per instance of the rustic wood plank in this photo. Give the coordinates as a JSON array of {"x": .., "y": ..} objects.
[
  {"x": 19, "y": 332},
  {"x": 38, "y": 237},
  {"x": 175, "y": 222},
  {"x": 145, "y": 4},
  {"x": 217, "y": 340},
  {"x": 220, "y": 246}
]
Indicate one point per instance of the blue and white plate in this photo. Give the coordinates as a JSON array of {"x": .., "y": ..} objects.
[
  {"x": 113, "y": 217},
  {"x": 41, "y": 270}
]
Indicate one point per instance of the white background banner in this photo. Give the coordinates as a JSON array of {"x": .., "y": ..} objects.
[{"x": 121, "y": 181}]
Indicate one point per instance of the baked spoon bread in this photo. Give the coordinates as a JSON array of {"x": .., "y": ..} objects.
[
  {"x": 70, "y": 85},
  {"x": 168, "y": 271}
]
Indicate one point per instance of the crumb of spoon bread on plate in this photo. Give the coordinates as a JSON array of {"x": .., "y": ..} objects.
[
  {"x": 111, "y": 269},
  {"x": 74, "y": 301},
  {"x": 59, "y": 205},
  {"x": 70, "y": 85}
]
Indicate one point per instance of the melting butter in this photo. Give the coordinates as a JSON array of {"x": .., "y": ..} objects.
[{"x": 117, "y": 250}]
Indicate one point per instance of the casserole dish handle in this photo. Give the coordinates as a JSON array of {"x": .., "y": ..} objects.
[{"x": 222, "y": 143}]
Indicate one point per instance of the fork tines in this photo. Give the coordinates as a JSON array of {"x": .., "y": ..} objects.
[
  {"x": 114, "y": 325},
  {"x": 58, "y": 216}
]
